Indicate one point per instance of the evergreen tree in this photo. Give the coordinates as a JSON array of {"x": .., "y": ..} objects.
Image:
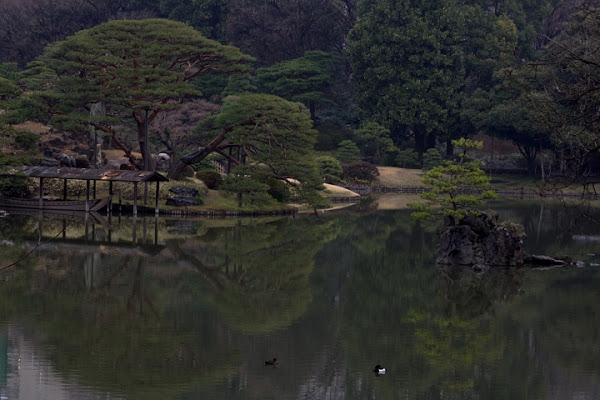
[
  {"x": 408, "y": 66},
  {"x": 135, "y": 69},
  {"x": 331, "y": 170},
  {"x": 456, "y": 187},
  {"x": 503, "y": 112},
  {"x": 207, "y": 16},
  {"x": 407, "y": 158},
  {"x": 303, "y": 79},
  {"x": 375, "y": 141},
  {"x": 264, "y": 136},
  {"x": 348, "y": 152},
  {"x": 432, "y": 158},
  {"x": 9, "y": 93},
  {"x": 276, "y": 31}
]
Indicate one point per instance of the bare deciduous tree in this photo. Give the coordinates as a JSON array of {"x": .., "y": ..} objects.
[
  {"x": 28, "y": 26},
  {"x": 172, "y": 128}
]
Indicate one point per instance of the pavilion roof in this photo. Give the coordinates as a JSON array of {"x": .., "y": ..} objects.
[{"x": 89, "y": 174}]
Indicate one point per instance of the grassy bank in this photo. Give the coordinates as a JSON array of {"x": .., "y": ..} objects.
[
  {"x": 215, "y": 202},
  {"x": 392, "y": 177}
]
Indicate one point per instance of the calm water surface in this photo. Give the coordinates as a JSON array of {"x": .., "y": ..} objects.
[{"x": 191, "y": 308}]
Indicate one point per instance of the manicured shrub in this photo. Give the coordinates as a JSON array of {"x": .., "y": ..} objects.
[
  {"x": 330, "y": 169},
  {"x": 15, "y": 184},
  {"x": 211, "y": 178},
  {"x": 187, "y": 172},
  {"x": 432, "y": 158},
  {"x": 279, "y": 190},
  {"x": 55, "y": 187},
  {"x": 250, "y": 190},
  {"x": 18, "y": 147},
  {"x": 348, "y": 152},
  {"x": 331, "y": 134},
  {"x": 361, "y": 171}
]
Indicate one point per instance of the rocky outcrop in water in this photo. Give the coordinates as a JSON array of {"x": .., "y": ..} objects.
[{"x": 480, "y": 240}]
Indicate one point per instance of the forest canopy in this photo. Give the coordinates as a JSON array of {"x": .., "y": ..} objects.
[{"x": 397, "y": 80}]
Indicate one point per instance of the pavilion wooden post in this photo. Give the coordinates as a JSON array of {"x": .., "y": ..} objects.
[
  {"x": 64, "y": 189},
  {"x": 87, "y": 196},
  {"x": 135, "y": 194}
]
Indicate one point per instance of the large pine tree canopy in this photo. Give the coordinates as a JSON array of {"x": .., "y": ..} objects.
[{"x": 131, "y": 67}]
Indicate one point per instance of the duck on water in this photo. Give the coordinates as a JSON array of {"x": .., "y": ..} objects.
[{"x": 379, "y": 370}]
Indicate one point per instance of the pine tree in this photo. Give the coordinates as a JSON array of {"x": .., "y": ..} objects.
[
  {"x": 136, "y": 69},
  {"x": 457, "y": 187}
]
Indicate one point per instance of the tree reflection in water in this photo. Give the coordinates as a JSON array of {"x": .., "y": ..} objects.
[
  {"x": 198, "y": 314},
  {"x": 260, "y": 274}
]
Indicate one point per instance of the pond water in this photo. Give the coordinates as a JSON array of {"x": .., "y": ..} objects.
[{"x": 191, "y": 308}]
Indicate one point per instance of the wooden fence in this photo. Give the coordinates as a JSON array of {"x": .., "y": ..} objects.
[
  {"x": 355, "y": 199},
  {"x": 521, "y": 193}
]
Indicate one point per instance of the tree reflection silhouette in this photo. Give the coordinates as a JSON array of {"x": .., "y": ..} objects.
[{"x": 260, "y": 273}]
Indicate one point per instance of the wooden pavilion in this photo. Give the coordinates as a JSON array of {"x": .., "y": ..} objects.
[{"x": 92, "y": 175}]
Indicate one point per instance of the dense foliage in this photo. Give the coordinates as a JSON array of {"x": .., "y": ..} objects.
[
  {"x": 457, "y": 187},
  {"x": 303, "y": 79},
  {"x": 347, "y": 152},
  {"x": 419, "y": 98},
  {"x": 260, "y": 136},
  {"x": 402, "y": 76},
  {"x": 211, "y": 178},
  {"x": 131, "y": 71},
  {"x": 563, "y": 91},
  {"x": 329, "y": 168},
  {"x": 360, "y": 172}
]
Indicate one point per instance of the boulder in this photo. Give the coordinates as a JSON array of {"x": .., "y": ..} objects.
[
  {"x": 66, "y": 160},
  {"x": 185, "y": 191},
  {"x": 458, "y": 246},
  {"x": 540, "y": 260},
  {"x": 82, "y": 162},
  {"x": 50, "y": 162},
  {"x": 162, "y": 161},
  {"x": 117, "y": 162},
  {"x": 479, "y": 240}
]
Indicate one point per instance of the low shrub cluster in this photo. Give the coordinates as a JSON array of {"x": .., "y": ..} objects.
[
  {"x": 211, "y": 178},
  {"x": 14, "y": 184},
  {"x": 360, "y": 172},
  {"x": 329, "y": 168}
]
